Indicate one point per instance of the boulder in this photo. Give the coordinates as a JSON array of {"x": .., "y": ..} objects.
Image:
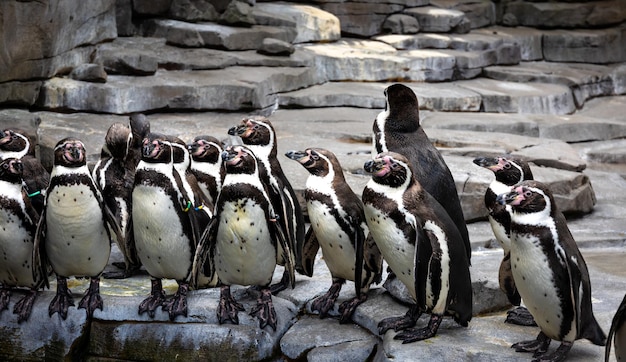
[
  {"x": 400, "y": 24},
  {"x": 311, "y": 24},
  {"x": 361, "y": 19},
  {"x": 437, "y": 20},
  {"x": 527, "y": 39},
  {"x": 89, "y": 73},
  {"x": 193, "y": 10},
  {"x": 237, "y": 13},
  {"x": 479, "y": 13},
  {"x": 19, "y": 93}
]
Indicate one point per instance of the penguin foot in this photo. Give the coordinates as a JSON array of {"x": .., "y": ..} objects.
[
  {"x": 92, "y": 299},
  {"x": 5, "y": 295},
  {"x": 520, "y": 316},
  {"x": 24, "y": 306},
  {"x": 418, "y": 334},
  {"x": 281, "y": 285},
  {"x": 538, "y": 346},
  {"x": 347, "y": 308},
  {"x": 264, "y": 310},
  {"x": 228, "y": 307},
  {"x": 155, "y": 300},
  {"x": 62, "y": 300},
  {"x": 326, "y": 302},
  {"x": 177, "y": 305},
  {"x": 400, "y": 323},
  {"x": 558, "y": 355}
]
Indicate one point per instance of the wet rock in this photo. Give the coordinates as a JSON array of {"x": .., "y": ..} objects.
[
  {"x": 401, "y": 24},
  {"x": 89, "y": 73},
  {"x": 310, "y": 23},
  {"x": 276, "y": 47}
]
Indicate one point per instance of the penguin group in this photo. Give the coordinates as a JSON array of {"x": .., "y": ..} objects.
[{"x": 214, "y": 214}]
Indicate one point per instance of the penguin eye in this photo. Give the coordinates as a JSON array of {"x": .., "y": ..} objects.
[
  {"x": 527, "y": 193},
  {"x": 5, "y": 166},
  {"x": 507, "y": 166}
]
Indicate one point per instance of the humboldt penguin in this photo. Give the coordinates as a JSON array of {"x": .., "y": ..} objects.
[
  {"x": 115, "y": 178},
  {"x": 73, "y": 231},
  {"x": 140, "y": 127},
  {"x": 397, "y": 129},
  {"x": 16, "y": 143},
  {"x": 338, "y": 226},
  {"x": 18, "y": 221},
  {"x": 617, "y": 334},
  {"x": 163, "y": 227},
  {"x": 244, "y": 238},
  {"x": 259, "y": 136},
  {"x": 550, "y": 272},
  {"x": 421, "y": 244},
  {"x": 508, "y": 171},
  {"x": 206, "y": 165}
]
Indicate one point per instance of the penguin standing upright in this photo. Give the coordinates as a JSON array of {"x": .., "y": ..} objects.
[
  {"x": 550, "y": 272},
  {"x": 259, "y": 136},
  {"x": 508, "y": 171},
  {"x": 338, "y": 225},
  {"x": 116, "y": 179},
  {"x": 16, "y": 143},
  {"x": 18, "y": 224},
  {"x": 421, "y": 244},
  {"x": 397, "y": 129},
  {"x": 242, "y": 242},
  {"x": 206, "y": 165},
  {"x": 617, "y": 334},
  {"x": 163, "y": 229},
  {"x": 73, "y": 231}
]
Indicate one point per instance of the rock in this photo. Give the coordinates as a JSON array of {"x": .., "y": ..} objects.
[
  {"x": 19, "y": 93},
  {"x": 237, "y": 13},
  {"x": 597, "y": 46},
  {"x": 468, "y": 42},
  {"x": 89, "y": 73},
  {"x": 606, "y": 152},
  {"x": 479, "y": 13},
  {"x": 563, "y": 14},
  {"x": 310, "y": 23},
  {"x": 124, "y": 18},
  {"x": 193, "y": 10},
  {"x": 361, "y": 19},
  {"x": 276, "y": 47},
  {"x": 401, "y": 24},
  {"x": 437, "y": 20},
  {"x": 149, "y": 7},
  {"x": 527, "y": 39}
]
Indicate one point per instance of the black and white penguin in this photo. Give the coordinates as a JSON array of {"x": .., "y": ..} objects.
[
  {"x": 397, "y": 129},
  {"x": 259, "y": 136},
  {"x": 115, "y": 179},
  {"x": 206, "y": 165},
  {"x": 550, "y": 272},
  {"x": 73, "y": 231},
  {"x": 18, "y": 222},
  {"x": 244, "y": 238},
  {"x": 617, "y": 334},
  {"x": 338, "y": 226},
  {"x": 508, "y": 171},
  {"x": 140, "y": 127},
  {"x": 16, "y": 143},
  {"x": 421, "y": 244}
]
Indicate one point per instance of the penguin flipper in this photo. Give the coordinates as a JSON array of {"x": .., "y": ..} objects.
[
  {"x": 203, "y": 257},
  {"x": 359, "y": 241},
  {"x": 288, "y": 256},
  {"x": 41, "y": 265},
  {"x": 373, "y": 259},
  {"x": 618, "y": 320},
  {"x": 309, "y": 253},
  {"x": 506, "y": 281}
]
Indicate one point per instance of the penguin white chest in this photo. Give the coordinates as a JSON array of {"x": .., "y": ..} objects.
[
  {"x": 337, "y": 247},
  {"x": 16, "y": 249},
  {"x": 500, "y": 233},
  {"x": 77, "y": 242},
  {"x": 244, "y": 254},
  {"x": 163, "y": 247},
  {"x": 534, "y": 279},
  {"x": 393, "y": 245}
]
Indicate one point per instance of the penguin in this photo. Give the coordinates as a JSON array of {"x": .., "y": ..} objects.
[
  {"x": 338, "y": 226},
  {"x": 73, "y": 231},
  {"x": 206, "y": 165},
  {"x": 242, "y": 242},
  {"x": 18, "y": 221},
  {"x": 115, "y": 180},
  {"x": 140, "y": 127},
  {"x": 508, "y": 171},
  {"x": 16, "y": 143},
  {"x": 397, "y": 129},
  {"x": 550, "y": 272},
  {"x": 617, "y": 334},
  {"x": 421, "y": 244},
  {"x": 162, "y": 226},
  {"x": 259, "y": 136}
]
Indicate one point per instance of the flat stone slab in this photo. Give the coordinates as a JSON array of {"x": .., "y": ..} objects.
[
  {"x": 598, "y": 46},
  {"x": 311, "y": 24},
  {"x": 590, "y": 14},
  {"x": 528, "y": 39},
  {"x": 469, "y": 42}
]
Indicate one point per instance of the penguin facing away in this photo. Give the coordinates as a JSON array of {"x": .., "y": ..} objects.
[
  {"x": 617, "y": 334},
  {"x": 421, "y": 244},
  {"x": 73, "y": 231},
  {"x": 18, "y": 221},
  {"x": 338, "y": 226},
  {"x": 550, "y": 272},
  {"x": 259, "y": 136},
  {"x": 244, "y": 238},
  {"x": 206, "y": 165},
  {"x": 397, "y": 129},
  {"x": 508, "y": 172}
]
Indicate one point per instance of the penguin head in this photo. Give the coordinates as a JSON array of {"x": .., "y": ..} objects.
[
  {"x": 17, "y": 142},
  {"x": 257, "y": 131},
  {"x": 140, "y": 127},
  {"x": 70, "y": 152},
  {"x": 317, "y": 161},
  {"x": 156, "y": 149},
  {"x": 508, "y": 171},
  {"x": 118, "y": 140},
  {"x": 402, "y": 109},
  {"x": 529, "y": 197},
  {"x": 391, "y": 169},
  {"x": 180, "y": 153},
  {"x": 206, "y": 149},
  {"x": 11, "y": 170},
  {"x": 239, "y": 159}
]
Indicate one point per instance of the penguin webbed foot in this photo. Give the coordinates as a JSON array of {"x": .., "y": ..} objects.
[
  {"x": 92, "y": 299},
  {"x": 418, "y": 334},
  {"x": 155, "y": 300},
  {"x": 177, "y": 304},
  {"x": 399, "y": 323},
  {"x": 326, "y": 302},
  {"x": 281, "y": 285},
  {"x": 264, "y": 310},
  {"x": 538, "y": 346},
  {"x": 558, "y": 355},
  {"x": 24, "y": 306},
  {"x": 228, "y": 307},
  {"x": 520, "y": 316},
  {"x": 5, "y": 295},
  {"x": 347, "y": 308},
  {"x": 62, "y": 300}
]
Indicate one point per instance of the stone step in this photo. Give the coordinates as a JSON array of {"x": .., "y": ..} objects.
[
  {"x": 434, "y": 19},
  {"x": 564, "y": 14},
  {"x": 311, "y": 24}
]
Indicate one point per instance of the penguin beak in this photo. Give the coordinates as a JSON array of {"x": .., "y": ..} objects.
[
  {"x": 510, "y": 198},
  {"x": 296, "y": 155},
  {"x": 489, "y": 163},
  {"x": 231, "y": 157},
  {"x": 75, "y": 153},
  {"x": 17, "y": 167},
  {"x": 5, "y": 136},
  {"x": 375, "y": 166},
  {"x": 237, "y": 130}
]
